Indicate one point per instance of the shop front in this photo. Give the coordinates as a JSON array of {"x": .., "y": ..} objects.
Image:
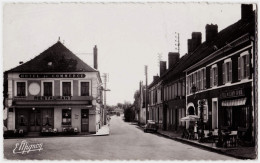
[
  {"x": 236, "y": 111},
  {"x": 34, "y": 119}
]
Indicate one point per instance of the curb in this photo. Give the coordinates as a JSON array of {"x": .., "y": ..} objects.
[{"x": 204, "y": 147}]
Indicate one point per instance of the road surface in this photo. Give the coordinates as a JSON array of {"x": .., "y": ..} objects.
[{"x": 126, "y": 142}]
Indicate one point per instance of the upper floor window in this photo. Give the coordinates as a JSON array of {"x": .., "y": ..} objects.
[
  {"x": 21, "y": 88},
  {"x": 243, "y": 66},
  {"x": 66, "y": 89},
  {"x": 84, "y": 88},
  {"x": 214, "y": 76},
  {"x": 47, "y": 89},
  {"x": 227, "y": 71}
]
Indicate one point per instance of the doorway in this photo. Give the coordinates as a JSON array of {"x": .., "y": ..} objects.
[
  {"x": 214, "y": 113},
  {"x": 84, "y": 120},
  {"x": 35, "y": 120}
]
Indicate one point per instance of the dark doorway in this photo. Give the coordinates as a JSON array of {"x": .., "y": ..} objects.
[
  {"x": 191, "y": 110},
  {"x": 84, "y": 120}
]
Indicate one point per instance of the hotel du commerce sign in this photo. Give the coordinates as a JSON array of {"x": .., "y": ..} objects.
[{"x": 52, "y": 75}]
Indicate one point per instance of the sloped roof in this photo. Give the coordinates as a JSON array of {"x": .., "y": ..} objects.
[
  {"x": 57, "y": 58},
  {"x": 225, "y": 36}
]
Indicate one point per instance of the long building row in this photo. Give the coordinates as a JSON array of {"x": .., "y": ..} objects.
[{"x": 219, "y": 72}]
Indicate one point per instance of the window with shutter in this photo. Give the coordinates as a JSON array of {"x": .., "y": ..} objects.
[
  {"x": 247, "y": 66},
  {"x": 224, "y": 72},
  {"x": 216, "y": 76},
  {"x": 204, "y": 78},
  {"x": 239, "y": 68},
  {"x": 230, "y": 72},
  {"x": 211, "y": 75}
]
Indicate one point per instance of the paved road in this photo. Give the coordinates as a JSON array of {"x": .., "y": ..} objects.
[{"x": 126, "y": 142}]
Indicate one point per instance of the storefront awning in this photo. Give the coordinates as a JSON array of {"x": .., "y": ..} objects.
[{"x": 235, "y": 102}]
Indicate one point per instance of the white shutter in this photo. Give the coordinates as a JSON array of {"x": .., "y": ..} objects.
[
  {"x": 204, "y": 78},
  {"x": 247, "y": 66},
  {"x": 211, "y": 75},
  {"x": 216, "y": 75},
  {"x": 239, "y": 68},
  {"x": 230, "y": 71},
  {"x": 224, "y": 72}
]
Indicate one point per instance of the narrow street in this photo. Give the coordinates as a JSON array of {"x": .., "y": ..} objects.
[{"x": 126, "y": 142}]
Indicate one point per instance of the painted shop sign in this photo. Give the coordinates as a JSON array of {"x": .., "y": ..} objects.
[
  {"x": 233, "y": 93},
  {"x": 52, "y": 98},
  {"x": 52, "y": 75}
]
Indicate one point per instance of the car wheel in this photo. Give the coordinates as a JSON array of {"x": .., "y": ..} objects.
[{"x": 144, "y": 130}]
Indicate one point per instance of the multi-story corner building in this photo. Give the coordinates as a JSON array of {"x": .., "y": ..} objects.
[
  {"x": 54, "y": 90},
  {"x": 223, "y": 77}
]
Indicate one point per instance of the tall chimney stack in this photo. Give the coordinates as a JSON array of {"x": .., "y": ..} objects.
[
  {"x": 211, "y": 32},
  {"x": 173, "y": 58},
  {"x": 95, "y": 57},
  {"x": 162, "y": 67},
  {"x": 246, "y": 11},
  {"x": 194, "y": 42}
]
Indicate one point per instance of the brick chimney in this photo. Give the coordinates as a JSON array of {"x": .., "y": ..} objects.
[
  {"x": 173, "y": 58},
  {"x": 246, "y": 11},
  {"x": 162, "y": 67},
  {"x": 211, "y": 32},
  {"x": 194, "y": 42},
  {"x": 95, "y": 57}
]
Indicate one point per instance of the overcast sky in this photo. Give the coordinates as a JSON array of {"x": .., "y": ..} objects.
[{"x": 128, "y": 36}]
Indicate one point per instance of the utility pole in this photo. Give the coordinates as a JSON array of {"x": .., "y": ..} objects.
[
  {"x": 105, "y": 106},
  {"x": 177, "y": 42},
  {"x": 146, "y": 94}
]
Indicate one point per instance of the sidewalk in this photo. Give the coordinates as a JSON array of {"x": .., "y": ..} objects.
[
  {"x": 238, "y": 152},
  {"x": 103, "y": 131}
]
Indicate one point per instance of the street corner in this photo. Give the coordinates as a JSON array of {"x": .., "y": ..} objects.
[{"x": 103, "y": 131}]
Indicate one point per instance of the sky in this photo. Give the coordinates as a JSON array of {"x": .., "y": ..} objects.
[{"x": 128, "y": 35}]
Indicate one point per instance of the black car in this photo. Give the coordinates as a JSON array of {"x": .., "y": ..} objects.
[{"x": 151, "y": 126}]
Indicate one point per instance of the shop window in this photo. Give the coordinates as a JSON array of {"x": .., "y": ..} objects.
[
  {"x": 21, "y": 88},
  {"x": 47, "y": 89},
  {"x": 84, "y": 88},
  {"x": 66, "y": 117},
  {"x": 47, "y": 117},
  {"x": 214, "y": 76},
  {"x": 227, "y": 71},
  {"x": 66, "y": 89},
  {"x": 243, "y": 67}
]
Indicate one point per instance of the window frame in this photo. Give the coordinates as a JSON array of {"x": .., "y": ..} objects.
[
  {"x": 26, "y": 87},
  {"x": 79, "y": 87},
  {"x": 226, "y": 74},
  {"x": 241, "y": 75},
  {"x": 214, "y": 75},
  {"x": 62, "y": 123},
  {"x": 61, "y": 88},
  {"x": 42, "y": 86}
]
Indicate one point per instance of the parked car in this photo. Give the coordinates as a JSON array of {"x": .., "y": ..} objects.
[{"x": 151, "y": 126}]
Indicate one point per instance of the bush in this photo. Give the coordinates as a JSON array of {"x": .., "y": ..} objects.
[{"x": 129, "y": 115}]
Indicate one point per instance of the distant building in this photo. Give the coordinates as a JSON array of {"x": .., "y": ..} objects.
[{"x": 54, "y": 90}]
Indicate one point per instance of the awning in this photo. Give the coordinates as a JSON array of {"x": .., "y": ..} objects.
[{"x": 235, "y": 102}]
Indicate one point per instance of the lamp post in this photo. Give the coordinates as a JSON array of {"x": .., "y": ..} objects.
[{"x": 201, "y": 106}]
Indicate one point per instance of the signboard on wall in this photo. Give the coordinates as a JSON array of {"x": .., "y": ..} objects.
[
  {"x": 52, "y": 75},
  {"x": 233, "y": 93},
  {"x": 92, "y": 112}
]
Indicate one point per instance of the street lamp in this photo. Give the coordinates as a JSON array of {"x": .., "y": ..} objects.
[{"x": 201, "y": 104}]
